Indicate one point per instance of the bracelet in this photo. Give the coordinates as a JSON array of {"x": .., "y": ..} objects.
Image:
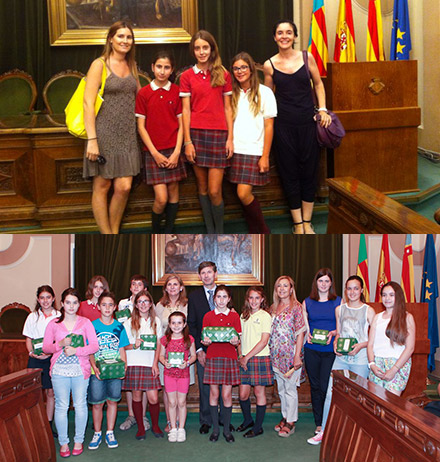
[
  {"x": 90, "y": 139},
  {"x": 370, "y": 364},
  {"x": 186, "y": 143},
  {"x": 322, "y": 109}
]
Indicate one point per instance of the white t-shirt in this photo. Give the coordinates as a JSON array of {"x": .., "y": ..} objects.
[
  {"x": 249, "y": 130},
  {"x": 36, "y": 323},
  {"x": 141, "y": 357},
  {"x": 126, "y": 303}
]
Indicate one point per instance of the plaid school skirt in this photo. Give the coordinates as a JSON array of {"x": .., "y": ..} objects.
[
  {"x": 210, "y": 146},
  {"x": 244, "y": 170},
  {"x": 221, "y": 371},
  {"x": 140, "y": 378},
  {"x": 259, "y": 372},
  {"x": 156, "y": 175}
]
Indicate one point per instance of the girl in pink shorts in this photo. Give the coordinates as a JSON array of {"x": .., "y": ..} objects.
[{"x": 176, "y": 375}]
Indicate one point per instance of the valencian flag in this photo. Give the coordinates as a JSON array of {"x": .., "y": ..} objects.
[
  {"x": 362, "y": 268},
  {"x": 318, "y": 37},
  {"x": 400, "y": 33},
  {"x": 345, "y": 51},
  {"x": 375, "y": 32},
  {"x": 429, "y": 294},
  {"x": 407, "y": 280},
  {"x": 384, "y": 272}
]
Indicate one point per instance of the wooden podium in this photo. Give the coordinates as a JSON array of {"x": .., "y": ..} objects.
[{"x": 377, "y": 104}]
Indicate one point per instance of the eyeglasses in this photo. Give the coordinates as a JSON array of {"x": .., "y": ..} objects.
[
  {"x": 243, "y": 68},
  {"x": 143, "y": 302}
]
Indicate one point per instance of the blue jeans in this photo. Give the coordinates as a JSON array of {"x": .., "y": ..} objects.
[
  {"x": 339, "y": 365},
  {"x": 62, "y": 386}
]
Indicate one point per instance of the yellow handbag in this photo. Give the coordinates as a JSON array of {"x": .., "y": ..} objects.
[{"x": 75, "y": 107}]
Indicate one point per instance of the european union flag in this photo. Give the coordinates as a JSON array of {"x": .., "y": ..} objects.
[
  {"x": 400, "y": 33},
  {"x": 429, "y": 295}
]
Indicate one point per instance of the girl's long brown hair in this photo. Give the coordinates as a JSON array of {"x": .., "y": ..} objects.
[
  {"x": 276, "y": 300},
  {"x": 165, "y": 300},
  {"x": 91, "y": 284},
  {"x": 246, "y": 310},
  {"x": 314, "y": 294},
  {"x": 253, "y": 94},
  {"x": 70, "y": 291},
  {"x": 227, "y": 290},
  {"x": 185, "y": 332},
  {"x": 136, "y": 317},
  {"x": 397, "y": 329},
  {"x": 108, "y": 49},
  {"x": 40, "y": 290},
  {"x": 215, "y": 61}
]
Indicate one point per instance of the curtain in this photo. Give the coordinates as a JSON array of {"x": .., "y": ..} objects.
[
  {"x": 238, "y": 25},
  {"x": 119, "y": 257}
]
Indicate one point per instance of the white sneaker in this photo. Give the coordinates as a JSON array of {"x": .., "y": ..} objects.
[
  {"x": 129, "y": 422},
  {"x": 172, "y": 435},
  {"x": 96, "y": 441},
  {"x": 317, "y": 439},
  {"x": 111, "y": 440},
  {"x": 181, "y": 435},
  {"x": 146, "y": 423}
]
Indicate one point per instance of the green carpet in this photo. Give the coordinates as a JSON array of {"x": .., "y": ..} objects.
[{"x": 197, "y": 447}]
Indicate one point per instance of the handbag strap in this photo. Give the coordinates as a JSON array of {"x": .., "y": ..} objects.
[
  {"x": 306, "y": 64},
  {"x": 103, "y": 77}
]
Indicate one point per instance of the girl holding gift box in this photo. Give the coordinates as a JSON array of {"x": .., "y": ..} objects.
[
  {"x": 319, "y": 313},
  {"x": 391, "y": 341},
  {"x": 89, "y": 307},
  {"x": 34, "y": 329},
  {"x": 70, "y": 368},
  {"x": 176, "y": 376},
  {"x": 286, "y": 344},
  {"x": 221, "y": 362},
  {"x": 143, "y": 371},
  {"x": 353, "y": 320},
  {"x": 256, "y": 369}
]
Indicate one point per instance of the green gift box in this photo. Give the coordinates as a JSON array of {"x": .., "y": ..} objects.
[
  {"x": 37, "y": 346},
  {"x": 320, "y": 336},
  {"x": 123, "y": 315},
  {"x": 149, "y": 342},
  {"x": 219, "y": 334},
  {"x": 345, "y": 344},
  {"x": 176, "y": 358},
  {"x": 113, "y": 368},
  {"x": 77, "y": 340}
]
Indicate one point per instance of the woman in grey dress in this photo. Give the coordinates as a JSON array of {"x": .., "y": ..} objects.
[{"x": 112, "y": 155}]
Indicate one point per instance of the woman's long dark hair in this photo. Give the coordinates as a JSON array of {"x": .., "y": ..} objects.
[
  {"x": 314, "y": 294},
  {"x": 69, "y": 291},
  {"x": 397, "y": 329}
]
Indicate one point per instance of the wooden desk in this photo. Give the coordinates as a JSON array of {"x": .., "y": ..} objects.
[
  {"x": 355, "y": 207},
  {"x": 366, "y": 423},
  {"x": 25, "y": 432},
  {"x": 41, "y": 182}
]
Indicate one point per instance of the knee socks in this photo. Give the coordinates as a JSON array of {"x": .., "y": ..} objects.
[
  {"x": 214, "y": 416},
  {"x": 170, "y": 216},
  {"x": 155, "y": 222},
  {"x": 255, "y": 219},
  {"x": 138, "y": 415},
  {"x": 227, "y": 414},
  {"x": 205, "y": 203},
  {"x": 218, "y": 213},
  {"x": 261, "y": 411},
  {"x": 246, "y": 410},
  {"x": 154, "y": 413}
]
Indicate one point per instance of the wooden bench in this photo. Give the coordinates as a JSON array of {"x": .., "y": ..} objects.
[{"x": 355, "y": 207}]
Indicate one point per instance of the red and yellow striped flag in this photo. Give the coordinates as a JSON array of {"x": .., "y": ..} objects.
[
  {"x": 384, "y": 272},
  {"x": 318, "y": 37},
  {"x": 375, "y": 32},
  {"x": 407, "y": 280},
  {"x": 345, "y": 51},
  {"x": 362, "y": 268}
]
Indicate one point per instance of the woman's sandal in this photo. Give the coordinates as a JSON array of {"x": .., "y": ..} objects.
[
  {"x": 279, "y": 426},
  {"x": 287, "y": 430},
  {"x": 294, "y": 230},
  {"x": 311, "y": 229}
]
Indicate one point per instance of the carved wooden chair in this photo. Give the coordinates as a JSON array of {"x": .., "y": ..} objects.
[
  {"x": 59, "y": 89},
  {"x": 18, "y": 93},
  {"x": 12, "y": 318},
  {"x": 144, "y": 78}
]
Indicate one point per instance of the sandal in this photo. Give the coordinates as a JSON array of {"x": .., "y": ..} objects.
[
  {"x": 287, "y": 430},
  {"x": 295, "y": 225},
  {"x": 310, "y": 228},
  {"x": 279, "y": 426}
]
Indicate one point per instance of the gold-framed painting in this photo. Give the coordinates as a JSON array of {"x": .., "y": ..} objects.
[
  {"x": 239, "y": 257},
  {"x": 85, "y": 22}
]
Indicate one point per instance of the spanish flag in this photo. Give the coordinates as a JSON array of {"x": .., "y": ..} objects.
[
  {"x": 362, "y": 268},
  {"x": 345, "y": 51},
  {"x": 407, "y": 280},
  {"x": 318, "y": 37},
  {"x": 384, "y": 272},
  {"x": 375, "y": 32}
]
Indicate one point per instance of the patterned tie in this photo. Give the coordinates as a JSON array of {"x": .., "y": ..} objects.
[{"x": 211, "y": 299}]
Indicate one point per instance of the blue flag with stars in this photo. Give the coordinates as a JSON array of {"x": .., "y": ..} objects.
[
  {"x": 400, "y": 33},
  {"x": 429, "y": 295}
]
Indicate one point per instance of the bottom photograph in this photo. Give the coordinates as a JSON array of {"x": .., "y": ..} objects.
[{"x": 182, "y": 347}]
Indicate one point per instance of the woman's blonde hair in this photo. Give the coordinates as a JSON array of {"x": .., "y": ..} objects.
[
  {"x": 253, "y": 94},
  {"x": 165, "y": 300},
  {"x": 215, "y": 61},
  {"x": 276, "y": 299},
  {"x": 108, "y": 49}
]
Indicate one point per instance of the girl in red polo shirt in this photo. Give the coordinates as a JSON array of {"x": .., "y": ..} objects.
[
  {"x": 221, "y": 361},
  {"x": 207, "y": 125},
  {"x": 159, "y": 111}
]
